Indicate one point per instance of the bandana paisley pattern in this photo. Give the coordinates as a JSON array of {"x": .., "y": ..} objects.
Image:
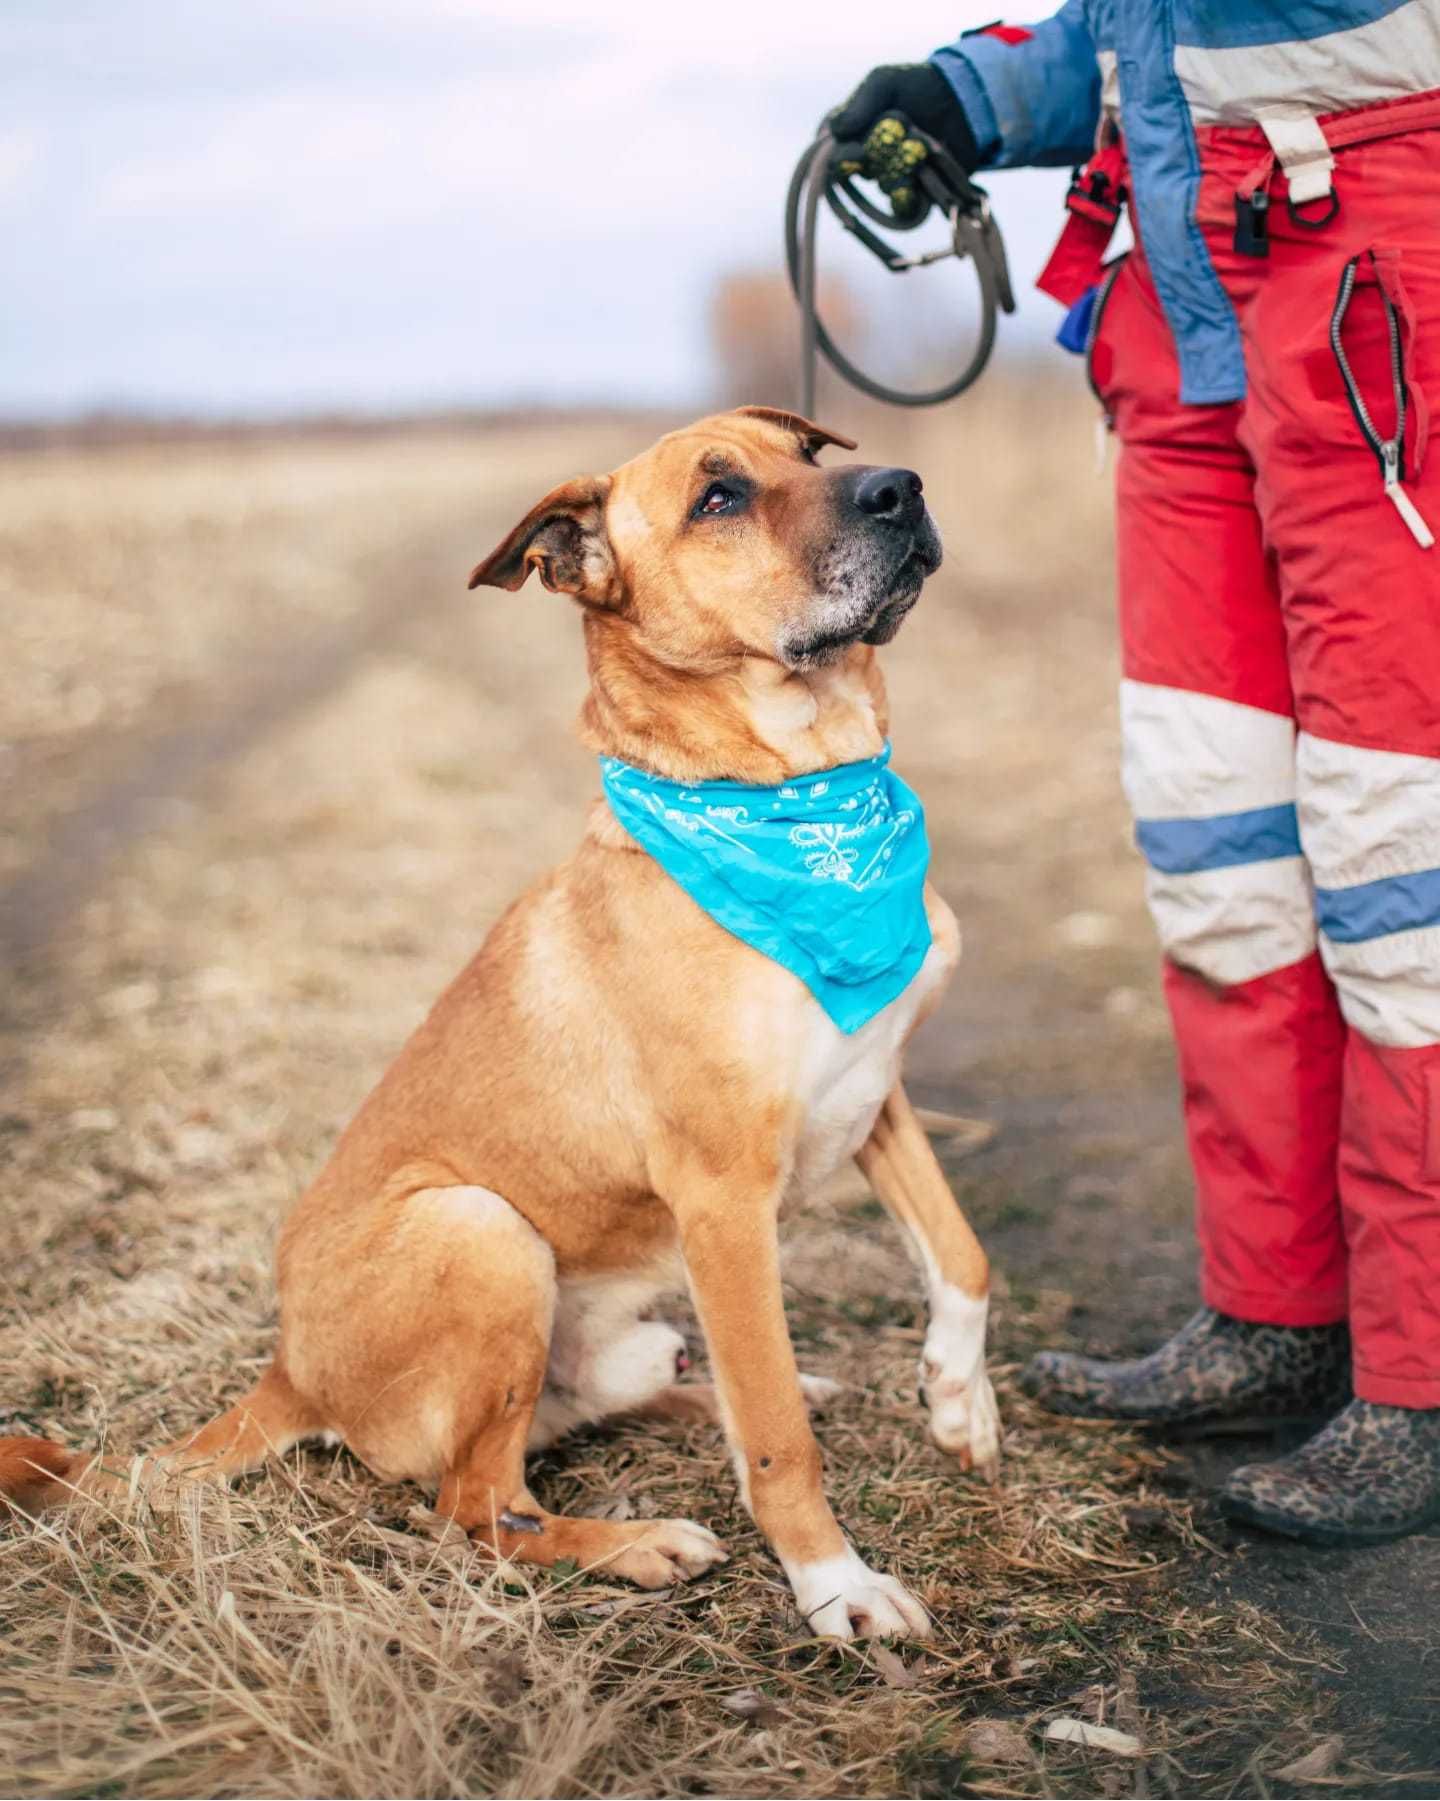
[{"x": 824, "y": 874}]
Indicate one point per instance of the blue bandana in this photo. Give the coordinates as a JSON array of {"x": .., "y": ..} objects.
[{"x": 825, "y": 874}]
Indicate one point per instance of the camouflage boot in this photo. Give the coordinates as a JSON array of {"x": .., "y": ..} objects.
[
  {"x": 1372, "y": 1474},
  {"x": 1215, "y": 1374}
]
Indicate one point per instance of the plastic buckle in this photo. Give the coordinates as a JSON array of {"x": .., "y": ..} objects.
[
  {"x": 1252, "y": 223},
  {"x": 1090, "y": 195}
]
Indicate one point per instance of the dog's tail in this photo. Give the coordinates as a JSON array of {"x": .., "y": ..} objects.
[{"x": 35, "y": 1473}]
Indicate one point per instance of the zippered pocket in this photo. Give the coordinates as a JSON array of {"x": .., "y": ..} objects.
[{"x": 1389, "y": 450}]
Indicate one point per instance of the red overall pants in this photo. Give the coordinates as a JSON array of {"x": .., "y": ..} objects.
[{"x": 1281, "y": 712}]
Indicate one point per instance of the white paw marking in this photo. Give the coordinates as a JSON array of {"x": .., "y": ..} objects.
[
  {"x": 964, "y": 1419},
  {"x": 842, "y": 1597}
]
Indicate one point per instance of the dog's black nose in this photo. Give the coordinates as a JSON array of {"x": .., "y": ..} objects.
[{"x": 890, "y": 494}]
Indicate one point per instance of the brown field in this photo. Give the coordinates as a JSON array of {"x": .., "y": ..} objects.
[{"x": 271, "y": 773}]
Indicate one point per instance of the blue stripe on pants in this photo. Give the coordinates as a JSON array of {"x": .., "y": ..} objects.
[
  {"x": 1187, "y": 846},
  {"x": 1396, "y": 903}
]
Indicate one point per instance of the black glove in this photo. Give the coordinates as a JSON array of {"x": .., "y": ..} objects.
[{"x": 925, "y": 97}]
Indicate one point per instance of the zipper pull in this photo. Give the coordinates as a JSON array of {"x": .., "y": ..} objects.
[{"x": 1404, "y": 505}]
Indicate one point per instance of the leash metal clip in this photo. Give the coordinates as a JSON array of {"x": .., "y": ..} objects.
[{"x": 953, "y": 248}]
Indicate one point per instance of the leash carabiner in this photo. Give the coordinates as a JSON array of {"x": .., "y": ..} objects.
[{"x": 917, "y": 175}]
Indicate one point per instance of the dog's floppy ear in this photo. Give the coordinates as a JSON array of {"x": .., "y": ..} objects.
[
  {"x": 811, "y": 435},
  {"x": 564, "y": 538}
]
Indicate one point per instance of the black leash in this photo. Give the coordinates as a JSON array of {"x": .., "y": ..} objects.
[{"x": 917, "y": 175}]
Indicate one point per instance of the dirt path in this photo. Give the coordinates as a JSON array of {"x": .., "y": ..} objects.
[
  {"x": 131, "y": 780},
  {"x": 106, "y": 722},
  {"x": 230, "y": 897}
]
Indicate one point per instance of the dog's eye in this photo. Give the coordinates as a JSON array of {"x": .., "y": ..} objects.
[
  {"x": 807, "y": 454},
  {"x": 717, "y": 498}
]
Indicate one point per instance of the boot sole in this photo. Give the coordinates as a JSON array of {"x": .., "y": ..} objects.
[
  {"x": 1331, "y": 1538},
  {"x": 1243, "y": 1425}
]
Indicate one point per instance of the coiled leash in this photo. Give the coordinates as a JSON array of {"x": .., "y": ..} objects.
[{"x": 916, "y": 174}]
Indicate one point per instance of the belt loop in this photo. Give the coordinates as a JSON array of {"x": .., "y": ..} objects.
[{"x": 1304, "y": 154}]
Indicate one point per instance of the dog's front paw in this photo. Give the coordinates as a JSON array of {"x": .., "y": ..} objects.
[
  {"x": 667, "y": 1551},
  {"x": 842, "y": 1597},
  {"x": 965, "y": 1422},
  {"x": 964, "y": 1419}
]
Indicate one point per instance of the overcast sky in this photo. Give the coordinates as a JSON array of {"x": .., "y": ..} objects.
[{"x": 238, "y": 205}]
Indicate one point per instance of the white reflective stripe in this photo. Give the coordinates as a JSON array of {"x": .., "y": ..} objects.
[
  {"x": 1301, "y": 150},
  {"x": 1366, "y": 814},
  {"x": 1231, "y": 925},
  {"x": 1193, "y": 756},
  {"x": 1109, "y": 65},
  {"x": 1369, "y": 816},
  {"x": 1389, "y": 987},
  {"x": 1394, "y": 55}
]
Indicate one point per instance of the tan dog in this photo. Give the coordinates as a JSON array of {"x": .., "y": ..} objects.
[{"x": 616, "y": 1095}]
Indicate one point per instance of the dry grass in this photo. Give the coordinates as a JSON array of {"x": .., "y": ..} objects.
[
  {"x": 307, "y": 1638},
  {"x": 212, "y": 1014}
]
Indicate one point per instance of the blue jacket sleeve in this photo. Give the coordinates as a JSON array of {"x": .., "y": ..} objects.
[{"x": 1037, "y": 101}]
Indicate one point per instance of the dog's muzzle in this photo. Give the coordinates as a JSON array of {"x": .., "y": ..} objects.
[{"x": 870, "y": 572}]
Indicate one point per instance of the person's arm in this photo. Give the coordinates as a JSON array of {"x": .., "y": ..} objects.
[{"x": 1030, "y": 94}]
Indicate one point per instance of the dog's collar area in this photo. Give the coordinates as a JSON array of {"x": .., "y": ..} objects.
[
  {"x": 824, "y": 873},
  {"x": 836, "y": 782}
]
